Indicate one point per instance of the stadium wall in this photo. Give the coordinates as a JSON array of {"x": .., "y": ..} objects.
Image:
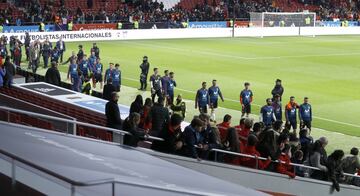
[{"x": 107, "y": 35}]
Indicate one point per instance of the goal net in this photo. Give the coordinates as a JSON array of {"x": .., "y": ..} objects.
[{"x": 282, "y": 19}]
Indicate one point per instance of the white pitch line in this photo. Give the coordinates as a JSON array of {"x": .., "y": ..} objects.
[{"x": 237, "y": 101}]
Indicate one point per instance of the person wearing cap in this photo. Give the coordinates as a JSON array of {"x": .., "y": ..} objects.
[
  {"x": 214, "y": 93},
  {"x": 290, "y": 114},
  {"x": 96, "y": 50},
  {"x": 277, "y": 107},
  {"x": 80, "y": 54},
  {"x": 145, "y": 65},
  {"x": 116, "y": 77},
  {"x": 267, "y": 115},
  {"x": 246, "y": 98},
  {"x": 278, "y": 89},
  {"x": 305, "y": 114}
]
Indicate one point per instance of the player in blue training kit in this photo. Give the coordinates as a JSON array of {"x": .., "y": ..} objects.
[
  {"x": 290, "y": 114},
  {"x": 108, "y": 72},
  {"x": 202, "y": 99},
  {"x": 267, "y": 115},
  {"x": 305, "y": 114},
  {"x": 277, "y": 107},
  {"x": 155, "y": 84},
  {"x": 97, "y": 77},
  {"x": 73, "y": 74},
  {"x": 171, "y": 84},
  {"x": 246, "y": 98},
  {"x": 84, "y": 66},
  {"x": 116, "y": 77},
  {"x": 214, "y": 94}
]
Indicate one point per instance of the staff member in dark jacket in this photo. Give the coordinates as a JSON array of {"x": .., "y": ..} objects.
[
  {"x": 158, "y": 116},
  {"x": 172, "y": 135},
  {"x": 112, "y": 112},
  {"x": 277, "y": 90},
  {"x": 10, "y": 72},
  {"x": 109, "y": 88},
  {"x": 131, "y": 125},
  {"x": 52, "y": 75}
]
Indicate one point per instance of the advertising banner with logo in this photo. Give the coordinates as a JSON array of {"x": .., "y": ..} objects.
[
  {"x": 23, "y": 29},
  {"x": 209, "y": 24},
  {"x": 335, "y": 24}
]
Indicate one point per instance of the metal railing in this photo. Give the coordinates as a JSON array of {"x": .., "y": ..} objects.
[
  {"x": 75, "y": 184},
  {"x": 74, "y": 122},
  {"x": 263, "y": 159}
]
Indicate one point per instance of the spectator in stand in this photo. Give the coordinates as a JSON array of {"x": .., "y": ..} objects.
[
  {"x": 267, "y": 115},
  {"x": 277, "y": 90},
  {"x": 2, "y": 75},
  {"x": 224, "y": 127},
  {"x": 306, "y": 142},
  {"x": 290, "y": 114},
  {"x": 73, "y": 73},
  {"x": 318, "y": 158},
  {"x": 283, "y": 166},
  {"x": 278, "y": 127},
  {"x": 240, "y": 127},
  {"x": 131, "y": 125},
  {"x": 137, "y": 105},
  {"x": 258, "y": 128},
  {"x": 335, "y": 172},
  {"x": 192, "y": 139},
  {"x": 145, "y": 122},
  {"x": 112, "y": 112},
  {"x": 351, "y": 165},
  {"x": 155, "y": 83},
  {"x": 214, "y": 94},
  {"x": 305, "y": 114},
  {"x": 116, "y": 76},
  {"x": 267, "y": 145},
  {"x": 250, "y": 149},
  {"x": 202, "y": 99},
  {"x": 62, "y": 48},
  {"x": 108, "y": 90},
  {"x": 90, "y": 4},
  {"x": 246, "y": 98},
  {"x": 52, "y": 75},
  {"x": 10, "y": 72},
  {"x": 158, "y": 116},
  {"x": 277, "y": 107},
  {"x": 172, "y": 135},
  {"x": 145, "y": 65},
  {"x": 297, "y": 158},
  {"x": 245, "y": 132},
  {"x": 216, "y": 144},
  {"x": 232, "y": 144}
]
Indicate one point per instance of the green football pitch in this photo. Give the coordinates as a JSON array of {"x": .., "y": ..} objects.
[{"x": 325, "y": 69}]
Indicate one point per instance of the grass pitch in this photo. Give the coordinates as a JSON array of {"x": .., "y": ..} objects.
[{"x": 326, "y": 69}]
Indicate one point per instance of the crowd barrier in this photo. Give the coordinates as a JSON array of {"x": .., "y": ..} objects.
[{"x": 107, "y": 35}]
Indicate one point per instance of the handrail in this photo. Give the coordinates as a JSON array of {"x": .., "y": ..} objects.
[
  {"x": 277, "y": 161},
  {"x": 75, "y": 122},
  {"x": 100, "y": 182}
]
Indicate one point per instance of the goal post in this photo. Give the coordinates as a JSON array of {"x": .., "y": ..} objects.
[{"x": 282, "y": 19}]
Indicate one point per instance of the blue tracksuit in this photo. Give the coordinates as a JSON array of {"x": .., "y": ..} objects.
[
  {"x": 305, "y": 112},
  {"x": 202, "y": 97},
  {"x": 267, "y": 113}
]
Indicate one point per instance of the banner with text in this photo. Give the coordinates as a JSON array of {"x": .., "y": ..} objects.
[
  {"x": 23, "y": 29},
  {"x": 210, "y": 24}
]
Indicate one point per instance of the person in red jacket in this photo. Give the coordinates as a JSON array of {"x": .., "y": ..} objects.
[
  {"x": 240, "y": 127},
  {"x": 284, "y": 167},
  {"x": 224, "y": 126},
  {"x": 250, "y": 149},
  {"x": 245, "y": 131}
]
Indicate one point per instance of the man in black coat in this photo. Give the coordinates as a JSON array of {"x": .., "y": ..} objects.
[
  {"x": 10, "y": 72},
  {"x": 278, "y": 89},
  {"x": 112, "y": 112},
  {"x": 109, "y": 88},
  {"x": 52, "y": 75},
  {"x": 159, "y": 116}
]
